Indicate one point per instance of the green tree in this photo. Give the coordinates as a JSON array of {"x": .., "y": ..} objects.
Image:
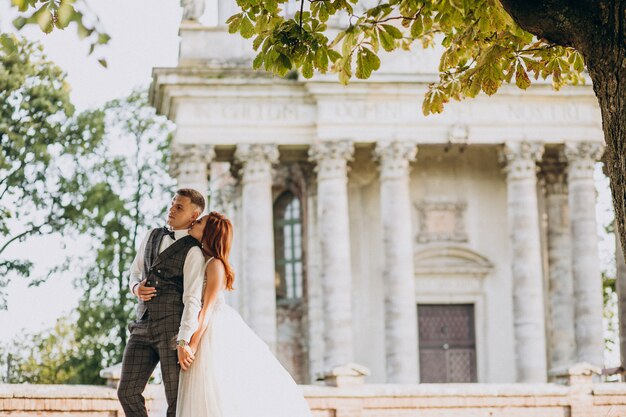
[
  {"x": 41, "y": 139},
  {"x": 127, "y": 189},
  {"x": 45, "y": 357},
  {"x": 124, "y": 187}
]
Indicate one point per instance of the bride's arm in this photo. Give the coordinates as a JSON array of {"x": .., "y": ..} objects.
[{"x": 215, "y": 275}]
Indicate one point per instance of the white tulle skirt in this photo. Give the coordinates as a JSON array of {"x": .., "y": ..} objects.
[{"x": 235, "y": 374}]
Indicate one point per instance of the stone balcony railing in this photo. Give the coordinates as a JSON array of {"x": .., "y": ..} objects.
[{"x": 576, "y": 395}]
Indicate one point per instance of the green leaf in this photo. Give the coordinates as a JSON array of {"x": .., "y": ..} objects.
[
  {"x": 386, "y": 40},
  {"x": 44, "y": 19},
  {"x": 103, "y": 62},
  {"x": 258, "y": 61},
  {"x": 103, "y": 38},
  {"x": 521, "y": 77},
  {"x": 393, "y": 31},
  {"x": 417, "y": 27},
  {"x": 333, "y": 55},
  {"x": 234, "y": 22},
  {"x": 321, "y": 59},
  {"x": 64, "y": 14},
  {"x": 345, "y": 72},
  {"x": 307, "y": 69},
  {"x": 8, "y": 43},
  {"x": 246, "y": 29}
]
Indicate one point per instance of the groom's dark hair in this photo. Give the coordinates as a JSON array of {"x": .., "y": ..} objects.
[{"x": 195, "y": 196}]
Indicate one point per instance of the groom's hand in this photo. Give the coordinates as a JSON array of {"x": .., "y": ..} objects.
[
  {"x": 145, "y": 293},
  {"x": 185, "y": 356}
]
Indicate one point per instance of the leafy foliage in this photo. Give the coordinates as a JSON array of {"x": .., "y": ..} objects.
[
  {"x": 121, "y": 186},
  {"x": 42, "y": 138},
  {"x": 482, "y": 47},
  {"x": 44, "y": 358},
  {"x": 52, "y": 15}
]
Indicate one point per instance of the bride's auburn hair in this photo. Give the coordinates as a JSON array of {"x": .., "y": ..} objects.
[{"x": 217, "y": 239}]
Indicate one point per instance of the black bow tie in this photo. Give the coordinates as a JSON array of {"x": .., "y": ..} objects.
[{"x": 170, "y": 233}]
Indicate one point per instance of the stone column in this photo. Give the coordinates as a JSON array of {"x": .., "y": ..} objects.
[
  {"x": 258, "y": 247},
  {"x": 398, "y": 274},
  {"x": 585, "y": 260},
  {"x": 561, "y": 282},
  {"x": 528, "y": 301},
  {"x": 189, "y": 165},
  {"x": 334, "y": 233}
]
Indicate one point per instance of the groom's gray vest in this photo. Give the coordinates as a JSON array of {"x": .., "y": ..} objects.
[{"x": 164, "y": 271}]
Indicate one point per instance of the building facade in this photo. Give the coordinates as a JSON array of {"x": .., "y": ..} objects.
[{"x": 458, "y": 247}]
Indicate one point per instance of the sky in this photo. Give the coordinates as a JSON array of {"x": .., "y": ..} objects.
[{"x": 144, "y": 35}]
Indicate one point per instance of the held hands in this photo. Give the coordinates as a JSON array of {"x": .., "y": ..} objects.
[
  {"x": 145, "y": 293},
  {"x": 185, "y": 356}
]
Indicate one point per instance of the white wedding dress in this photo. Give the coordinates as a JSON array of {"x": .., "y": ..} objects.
[{"x": 235, "y": 374}]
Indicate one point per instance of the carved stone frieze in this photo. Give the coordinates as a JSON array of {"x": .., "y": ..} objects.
[{"x": 441, "y": 221}]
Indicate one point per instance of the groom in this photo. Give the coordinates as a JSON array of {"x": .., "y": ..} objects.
[{"x": 166, "y": 276}]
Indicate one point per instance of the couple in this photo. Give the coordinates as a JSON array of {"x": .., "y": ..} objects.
[{"x": 179, "y": 275}]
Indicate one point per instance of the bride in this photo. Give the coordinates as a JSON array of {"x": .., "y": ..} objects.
[{"x": 233, "y": 374}]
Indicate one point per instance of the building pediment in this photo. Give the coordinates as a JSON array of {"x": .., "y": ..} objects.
[{"x": 451, "y": 260}]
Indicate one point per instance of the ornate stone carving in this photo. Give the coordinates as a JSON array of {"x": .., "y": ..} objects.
[
  {"x": 222, "y": 188},
  {"x": 458, "y": 134},
  {"x": 441, "y": 221},
  {"x": 331, "y": 158},
  {"x": 582, "y": 158},
  {"x": 521, "y": 158},
  {"x": 192, "y": 9},
  {"x": 395, "y": 157},
  {"x": 553, "y": 173},
  {"x": 256, "y": 160},
  {"x": 188, "y": 157},
  {"x": 450, "y": 261},
  {"x": 292, "y": 176}
]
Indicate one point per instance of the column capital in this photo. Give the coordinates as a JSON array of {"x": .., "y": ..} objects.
[
  {"x": 554, "y": 174},
  {"x": 394, "y": 157},
  {"x": 521, "y": 158},
  {"x": 331, "y": 157},
  {"x": 257, "y": 159},
  {"x": 582, "y": 157},
  {"x": 187, "y": 157}
]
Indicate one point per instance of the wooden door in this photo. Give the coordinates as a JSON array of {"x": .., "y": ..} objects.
[{"x": 447, "y": 343}]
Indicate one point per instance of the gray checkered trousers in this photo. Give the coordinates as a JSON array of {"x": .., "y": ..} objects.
[{"x": 154, "y": 332}]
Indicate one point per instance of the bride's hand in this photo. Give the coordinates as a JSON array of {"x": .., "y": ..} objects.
[{"x": 194, "y": 347}]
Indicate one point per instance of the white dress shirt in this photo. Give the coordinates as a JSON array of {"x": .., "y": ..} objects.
[{"x": 193, "y": 273}]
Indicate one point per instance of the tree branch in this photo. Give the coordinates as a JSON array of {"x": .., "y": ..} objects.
[{"x": 21, "y": 235}]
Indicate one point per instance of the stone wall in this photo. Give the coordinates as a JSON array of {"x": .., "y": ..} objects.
[
  {"x": 25, "y": 400},
  {"x": 579, "y": 397}
]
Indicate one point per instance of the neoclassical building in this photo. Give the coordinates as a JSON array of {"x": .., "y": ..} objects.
[{"x": 458, "y": 247}]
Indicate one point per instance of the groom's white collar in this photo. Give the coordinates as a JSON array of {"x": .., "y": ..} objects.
[{"x": 180, "y": 233}]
